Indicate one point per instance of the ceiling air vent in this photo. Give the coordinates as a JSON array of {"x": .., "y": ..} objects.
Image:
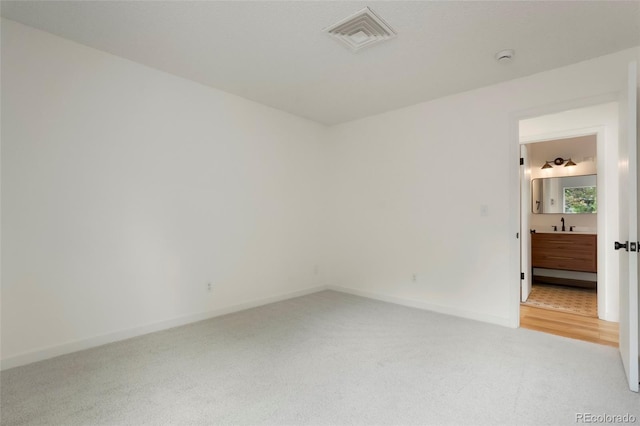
[{"x": 361, "y": 29}]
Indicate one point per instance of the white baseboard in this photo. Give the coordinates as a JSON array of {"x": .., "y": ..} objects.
[
  {"x": 91, "y": 342},
  {"x": 506, "y": 322}
]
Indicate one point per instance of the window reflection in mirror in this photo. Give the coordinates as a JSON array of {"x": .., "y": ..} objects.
[{"x": 566, "y": 195}]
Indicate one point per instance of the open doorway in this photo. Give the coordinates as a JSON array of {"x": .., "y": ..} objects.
[
  {"x": 563, "y": 225},
  {"x": 568, "y": 215}
]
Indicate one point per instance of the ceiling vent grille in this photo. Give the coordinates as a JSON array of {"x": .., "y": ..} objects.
[{"x": 361, "y": 29}]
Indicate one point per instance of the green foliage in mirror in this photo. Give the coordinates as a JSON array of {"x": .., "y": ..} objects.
[{"x": 580, "y": 200}]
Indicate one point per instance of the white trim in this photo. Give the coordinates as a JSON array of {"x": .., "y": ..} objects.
[
  {"x": 514, "y": 179},
  {"x": 603, "y": 218},
  {"x": 92, "y": 342},
  {"x": 448, "y": 310},
  {"x": 526, "y": 282},
  {"x": 103, "y": 339}
]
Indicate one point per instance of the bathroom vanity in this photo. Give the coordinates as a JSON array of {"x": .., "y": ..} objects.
[{"x": 568, "y": 251}]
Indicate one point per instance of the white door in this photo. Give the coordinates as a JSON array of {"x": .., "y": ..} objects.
[
  {"x": 525, "y": 236},
  {"x": 627, "y": 169}
]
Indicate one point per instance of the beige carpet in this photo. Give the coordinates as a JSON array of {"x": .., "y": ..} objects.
[{"x": 566, "y": 299}]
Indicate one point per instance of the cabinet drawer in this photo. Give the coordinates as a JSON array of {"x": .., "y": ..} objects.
[{"x": 572, "y": 252}]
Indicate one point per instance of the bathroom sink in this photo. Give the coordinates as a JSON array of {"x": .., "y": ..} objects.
[{"x": 566, "y": 232}]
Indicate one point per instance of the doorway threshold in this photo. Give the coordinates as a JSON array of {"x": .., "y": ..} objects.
[{"x": 569, "y": 325}]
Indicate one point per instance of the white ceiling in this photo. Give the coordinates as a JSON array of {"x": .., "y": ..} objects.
[{"x": 275, "y": 53}]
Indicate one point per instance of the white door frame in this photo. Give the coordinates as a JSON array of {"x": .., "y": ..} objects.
[
  {"x": 514, "y": 180},
  {"x": 525, "y": 236},
  {"x": 601, "y": 182}
]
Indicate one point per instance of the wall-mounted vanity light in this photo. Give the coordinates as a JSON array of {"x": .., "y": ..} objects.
[{"x": 559, "y": 162}]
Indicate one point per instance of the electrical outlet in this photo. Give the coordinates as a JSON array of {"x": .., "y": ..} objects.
[
  {"x": 414, "y": 277},
  {"x": 208, "y": 286}
]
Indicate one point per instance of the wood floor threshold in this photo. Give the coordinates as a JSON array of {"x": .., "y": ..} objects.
[{"x": 565, "y": 324}]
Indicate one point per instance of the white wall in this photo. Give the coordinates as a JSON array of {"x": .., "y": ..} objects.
[
  {"x": 411, "y": 186},
  {"x": 125, "y": 190}
]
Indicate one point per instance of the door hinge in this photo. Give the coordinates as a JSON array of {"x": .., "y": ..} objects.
[
  {"x": 517, "y": 235},
  {"x": 521, "y": 161},
  {"x": 522, "y": 275}
]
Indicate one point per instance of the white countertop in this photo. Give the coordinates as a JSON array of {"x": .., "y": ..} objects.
[{"x": 567, "y": 232}]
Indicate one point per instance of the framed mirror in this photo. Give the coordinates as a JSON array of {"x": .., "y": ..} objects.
[{"x": 564, "y": 195}]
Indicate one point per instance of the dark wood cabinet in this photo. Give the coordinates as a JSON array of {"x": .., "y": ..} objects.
[{"x": 570, "y": 252}]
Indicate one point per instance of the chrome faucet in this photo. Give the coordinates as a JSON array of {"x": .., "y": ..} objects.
[{"x": 562, "y": 220}]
